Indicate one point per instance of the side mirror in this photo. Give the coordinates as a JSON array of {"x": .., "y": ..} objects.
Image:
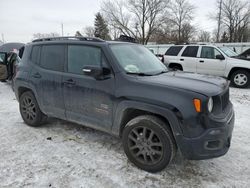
[
  {"x": 96, "y": 72},
  {"x": 220, "y": 57}
]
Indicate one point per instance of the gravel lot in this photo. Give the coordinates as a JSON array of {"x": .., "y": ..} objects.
[{"x": 62, "y": 154}]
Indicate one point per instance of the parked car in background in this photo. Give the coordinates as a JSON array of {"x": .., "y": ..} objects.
[
  {"x": 10, "y": 57},
  {"x": 3, "y": 67},
  {"x": 159, "y": 50},
  {"x": 211, "y": 60},
  {"x": 245, "y": 55},
  {"x": 10, "y": 47},
  {"x": 123, "y": 89},
  {"x": 8, "y": 65}
]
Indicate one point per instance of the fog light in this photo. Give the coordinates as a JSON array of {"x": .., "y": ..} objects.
[{"x": 210, "y": 104}]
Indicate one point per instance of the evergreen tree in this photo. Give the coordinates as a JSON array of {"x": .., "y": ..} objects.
[{"x": 101, "y": 28}]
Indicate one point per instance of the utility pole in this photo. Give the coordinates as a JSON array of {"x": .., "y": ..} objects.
[
  {"x": 62, "y": 29},
  {"x": 3, "y": 38},
  {"x": 219, "y": 22}
]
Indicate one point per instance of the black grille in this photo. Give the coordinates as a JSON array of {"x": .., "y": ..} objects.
[{"x": 225, "y": 99}]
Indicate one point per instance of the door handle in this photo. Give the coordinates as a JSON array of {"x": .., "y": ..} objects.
[
  {"x": 181, "y": 59},
  {"x": 70, "y": 82},
  {"x": 86, "y": 70},
  {"x": 201, "y": 61},
  {"x": 37, "y": 75}
]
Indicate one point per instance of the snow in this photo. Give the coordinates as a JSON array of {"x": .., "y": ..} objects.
[{"x": 62, "y": 154}]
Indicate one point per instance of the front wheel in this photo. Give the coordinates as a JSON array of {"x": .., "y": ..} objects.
[
  {"x": 148, "y": 143},
  {"x": 240, "y": 79}
]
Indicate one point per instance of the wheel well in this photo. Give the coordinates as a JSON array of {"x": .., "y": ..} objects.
[
  {"x": 131, "y": 113},
  {"x": 171, "y": 65},
  {"x": 236, "y": 69},
  {"x": 21, "y": 90}
]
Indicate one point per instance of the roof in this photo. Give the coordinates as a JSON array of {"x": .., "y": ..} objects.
[
  {"x": 78, "y": 39},
  {"x": 92, "y": 39}
]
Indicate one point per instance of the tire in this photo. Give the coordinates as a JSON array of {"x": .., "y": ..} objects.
[
  {"x": 148, "y": 143},
  {"x": 240, "y": 79},
  {"x": 30, "y": 110}
]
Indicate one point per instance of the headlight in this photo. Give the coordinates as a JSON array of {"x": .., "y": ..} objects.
[{"x": 210, "y": 104}]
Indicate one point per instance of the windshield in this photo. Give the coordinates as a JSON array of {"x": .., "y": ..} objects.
[
  {"x": 137, "y": 59},
  {"x": 228, "y": 51}
]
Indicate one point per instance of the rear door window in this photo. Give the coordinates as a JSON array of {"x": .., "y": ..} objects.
[
  {"x": 52, "y": 57},
  {"x": 190, "y": 51},
  {"x": 174, "y": 50}
]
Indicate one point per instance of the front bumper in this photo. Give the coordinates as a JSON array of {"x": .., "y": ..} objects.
[{"x": 214, "y": 142}]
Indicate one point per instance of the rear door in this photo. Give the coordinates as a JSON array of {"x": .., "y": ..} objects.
[
  {"x": 171, "y": 55},
  {"x": 87, "y": 101},
  {"x": 188, "y": 58},
  {"x": 47, "y": 73},
  {"x": 208, "y": 64}
]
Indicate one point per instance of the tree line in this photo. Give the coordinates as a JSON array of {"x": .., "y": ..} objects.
[{"x": 169, "y": 21}]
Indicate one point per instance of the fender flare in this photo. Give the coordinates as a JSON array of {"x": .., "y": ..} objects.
[{"x": 167, "y": 113}]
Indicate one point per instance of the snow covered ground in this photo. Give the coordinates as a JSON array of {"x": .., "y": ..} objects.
[{"x": 62, "y": 154}]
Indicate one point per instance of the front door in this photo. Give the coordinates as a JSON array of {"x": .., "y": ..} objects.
[
  {"x": 87, "y": 101},
  {"x": 208, "y": 64}
]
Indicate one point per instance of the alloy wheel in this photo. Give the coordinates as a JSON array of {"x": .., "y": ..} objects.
[
  {"x": 28, "y": 108},
  {"x": 145, "y": 145}
]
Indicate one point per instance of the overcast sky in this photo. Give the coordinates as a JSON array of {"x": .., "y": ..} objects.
[{"x": 20, "y": 19}]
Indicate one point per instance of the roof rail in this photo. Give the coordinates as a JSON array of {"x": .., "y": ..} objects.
[
  {"x": 193, "y": 43},
  {"x": 93, "y": 39}
]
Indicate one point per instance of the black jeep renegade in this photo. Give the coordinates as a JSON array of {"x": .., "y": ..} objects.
[{"x": 123, "y": 89}]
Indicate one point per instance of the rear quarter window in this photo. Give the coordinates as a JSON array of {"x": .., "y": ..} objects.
[
  {"x": 174, "y": 50},
  {"x": 35, "y": 54}
]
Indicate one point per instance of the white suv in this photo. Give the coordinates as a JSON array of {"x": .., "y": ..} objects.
[{"x": 209, "y": 59}]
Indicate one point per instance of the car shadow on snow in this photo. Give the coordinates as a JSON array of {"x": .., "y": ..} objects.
[{"x": 179, "y": 170}]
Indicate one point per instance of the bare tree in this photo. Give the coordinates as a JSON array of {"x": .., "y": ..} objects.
[
  {"x": 187, "y": 32},
  {"x": 45, "y": 35},
  {"x": 180, "y": 13},
  {"x": 204, "y": 36},
  {"x": 89, "y": 31},
  {"x": 135, "y": 18},
  {"x": 234, "y": 18}
]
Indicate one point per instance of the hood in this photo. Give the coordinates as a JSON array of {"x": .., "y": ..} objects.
[
  {"x": 203, "y": 84},
  {"x": 245, "y": 53},
  {"x": 240, "y": 61}
]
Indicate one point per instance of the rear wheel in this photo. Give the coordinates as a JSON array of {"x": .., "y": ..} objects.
[
  {"x": 30, "y": 110},
  {"x": 148, "y": 143},
  {"x": 240, "y": 79}
]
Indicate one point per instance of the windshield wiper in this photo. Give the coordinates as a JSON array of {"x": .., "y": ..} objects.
[
  {"x": 139, "y": 73},
  {"x": 162, "y": 72}
]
